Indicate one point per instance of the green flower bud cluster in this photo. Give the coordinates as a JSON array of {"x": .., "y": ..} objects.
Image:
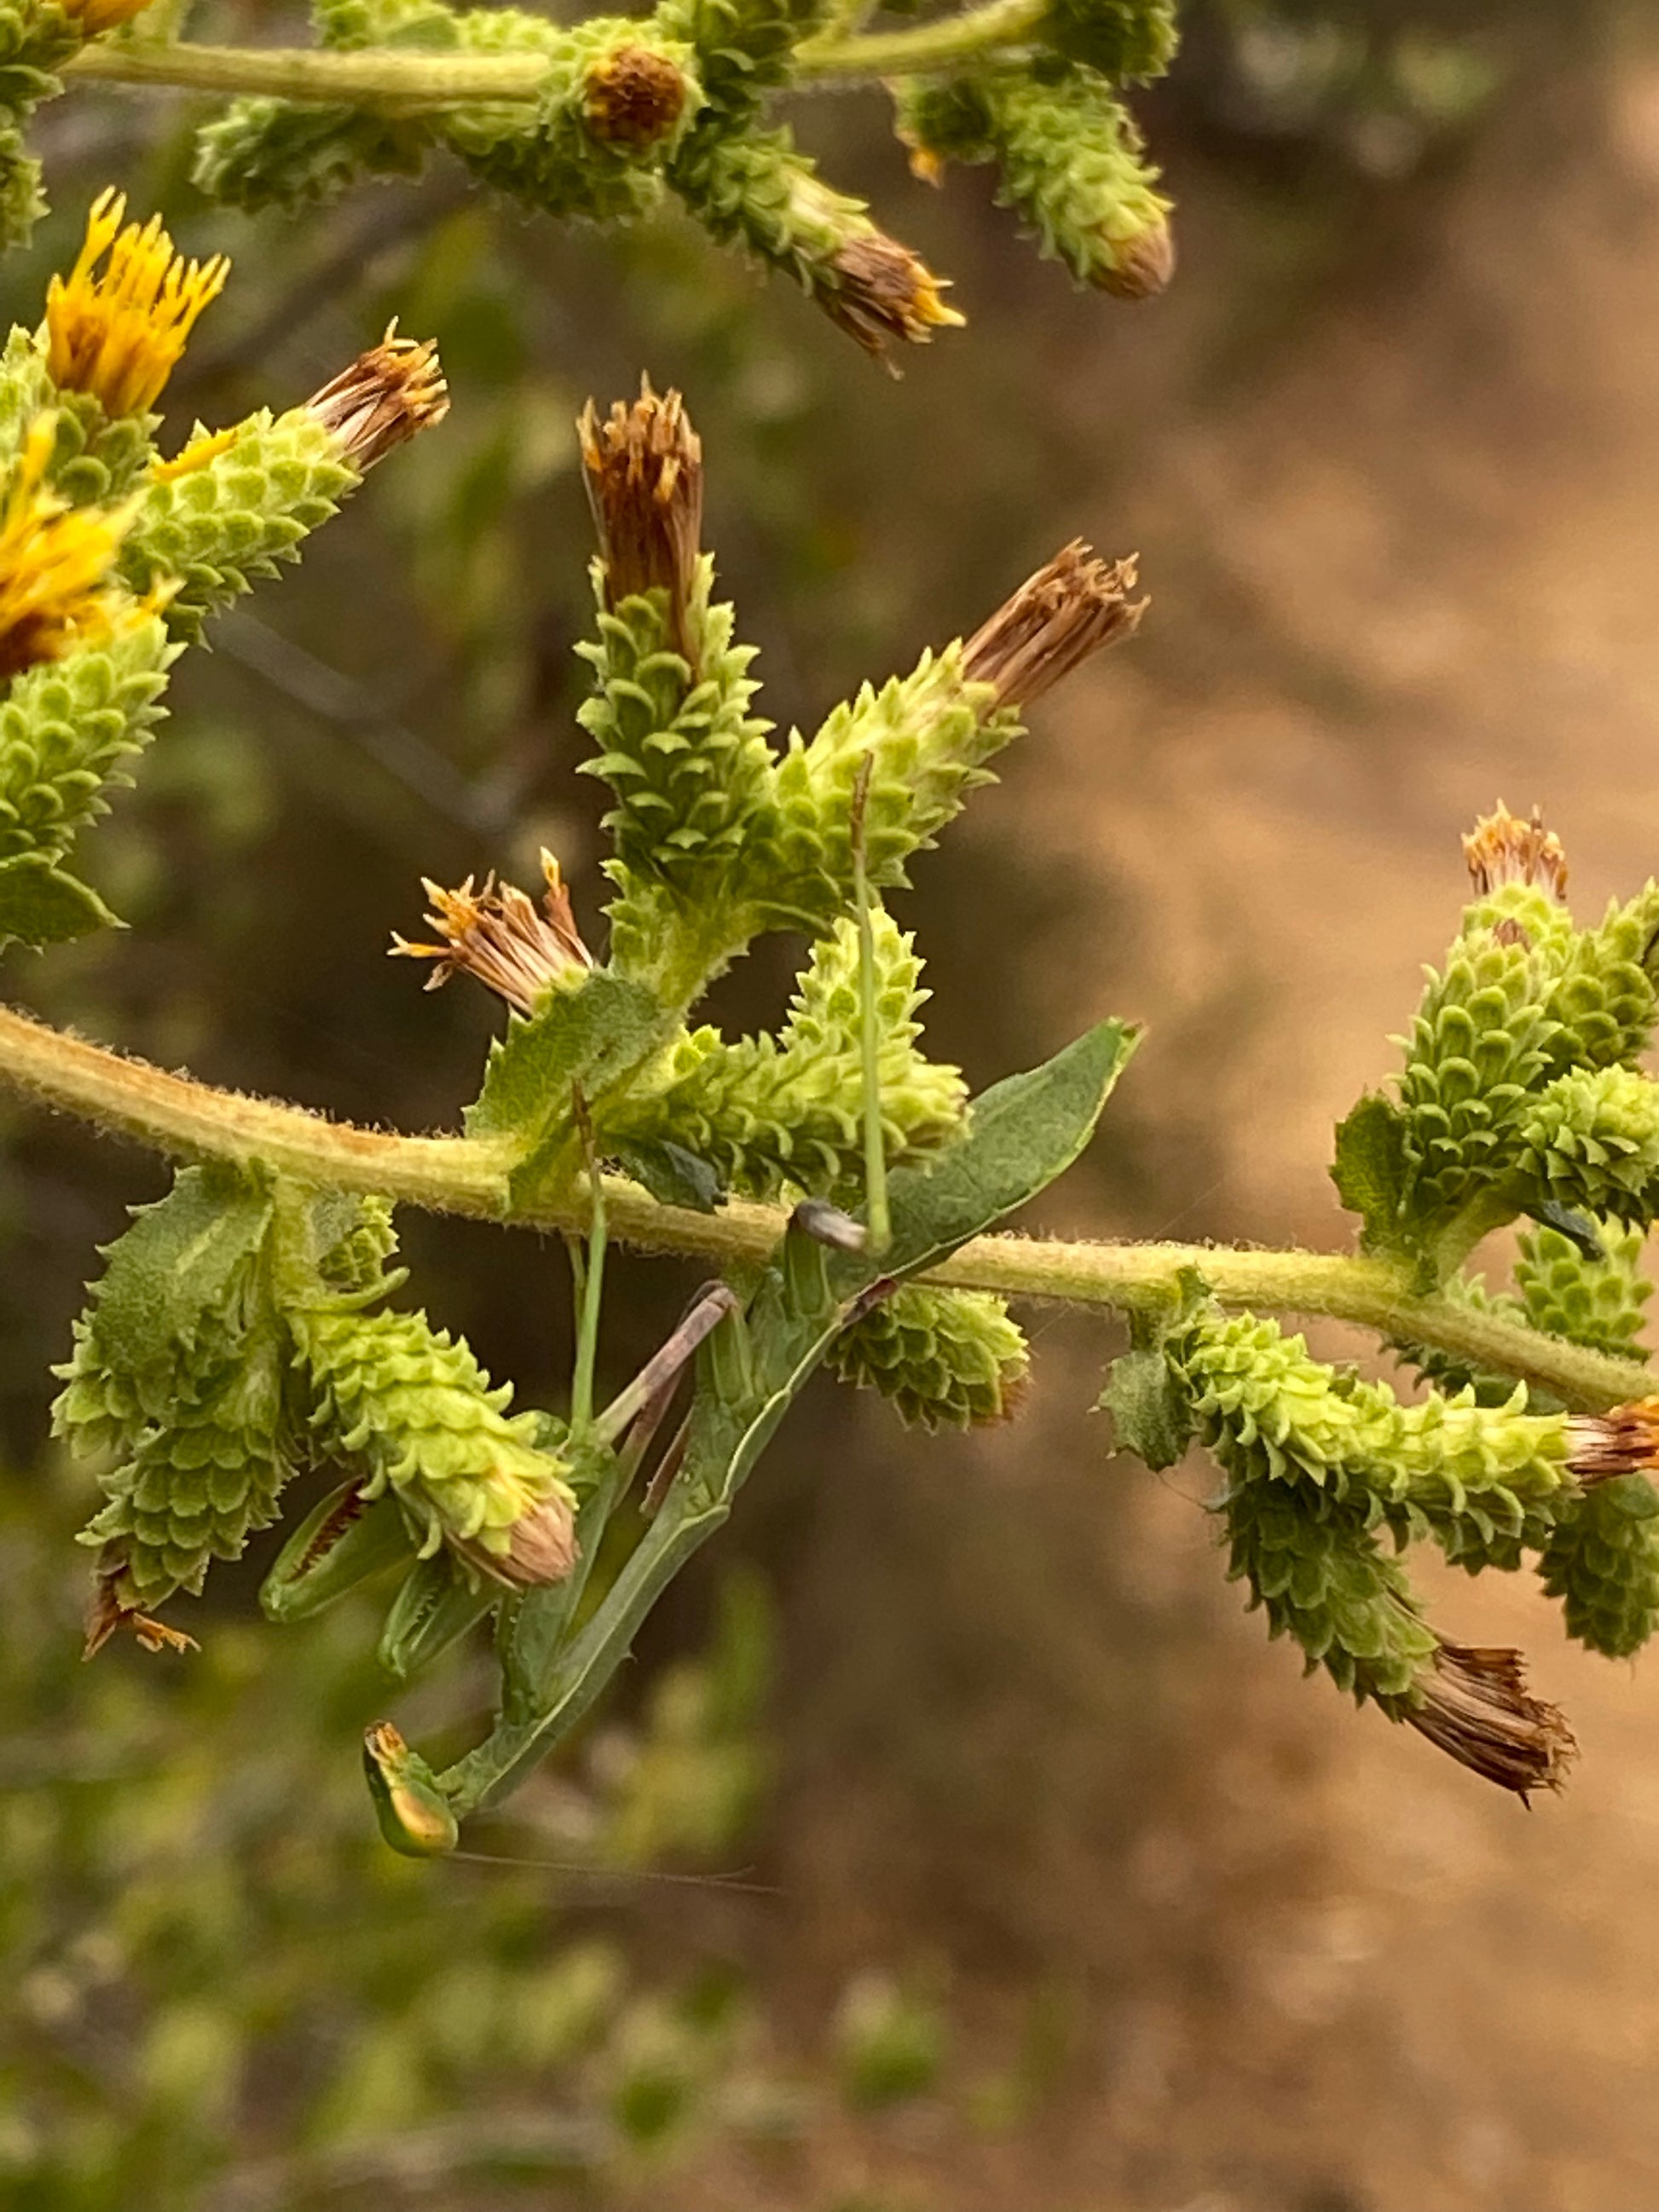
[
  {"x": 178, "y": 1373},
  {"x": 689, "y": 766},
  {"x": 1595, "y": 1302},
  {"x": 69, "y": 727},
  {"x": 945, "y": 1359},
  {"x": 1071, "y": 161},
  {"x": 230, "y": 1341},
  {"x": 217, "y": 527},
  {"x": 1483, "y": 1481},
  {"x": 412, "y": 1407},
  {"x": 1313, "y": 1566},
  {"x": 776, "y": 1114},
  {"x": 1602, "y": 1562},
  {"x": 36, "y": 38},
  {"x": 627, "y": 107},
  {"x": 1518, "y": 1094},
  {"x": 1590, "y": 1142}
]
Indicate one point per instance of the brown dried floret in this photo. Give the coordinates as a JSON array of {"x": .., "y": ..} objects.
[
  {"x": 1068, "y": 610},
  {"x": 1473, "y": 1703},
  {"x": 521, "y": 952},
  {"x": 388, "y": 394}
]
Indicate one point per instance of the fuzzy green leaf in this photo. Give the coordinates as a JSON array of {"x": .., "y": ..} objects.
[{"x": 40, "y": 904}]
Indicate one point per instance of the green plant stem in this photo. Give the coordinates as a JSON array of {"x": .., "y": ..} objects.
[
  {"x": 593, "y": 1302},
  {"x": 928, "y": 46},
  {"x": 370, "y": 78},
  {"x": 172, "y": 1115},
  {"x": 377, "y": 77}
]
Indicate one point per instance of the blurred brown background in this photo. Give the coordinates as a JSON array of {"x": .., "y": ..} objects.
[{"x": 1205, "y": 1940}]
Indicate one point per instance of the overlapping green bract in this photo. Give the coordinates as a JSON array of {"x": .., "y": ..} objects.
[
  {"x": 1071, "y": 162},
  {"x": 67, "y": 730},
  {"x": 411, "y": 1407},
  {"x": 217, "y": 528},
  {"x": 1519, "y": 1094},
  {"x": 770, "y": 1114},
  {"x": 944, "y": 1359},
  {"x": 230, "y": 1341}
]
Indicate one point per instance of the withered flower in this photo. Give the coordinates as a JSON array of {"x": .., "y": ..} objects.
[
  {"x": 542, "y": 1546},
  {"x": 1054, "y": 621},
  {"x": 1625, "y": 1441},
  {"x": 499, "y": 935},
  {"x": 1502, "y": 849},
  {"x": 633, "y": 96},
  {"x": 1475, "y": 1705},
  {"x": 1140, "y": 267},
  {"x": 107, "y": 1614},
  {"x": 882, "y": 292},
  {"x": 643, "y": 466},
  {"x": 117, "y": 334},
  {"x": 389, "y": 394}
]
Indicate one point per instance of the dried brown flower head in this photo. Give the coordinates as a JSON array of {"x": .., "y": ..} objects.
[
  {"x": 1056, "y": 619},
  {"x": 643, "y": 465},
  {"x": 388, "y": 394},
  {"x": 1475, "y": 1705},
  {"x": 1625, "y": 1441},
  {"x": 633, "y": 96},
  {"x": 106, "y": 1613},
  {"x": 883, "y": 293},
  {"x": 499, "y": 935},
  {"x": 1502, "y": 849}
]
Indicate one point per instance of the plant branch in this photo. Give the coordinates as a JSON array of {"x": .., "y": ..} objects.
[
  {"x": 173, "y": 1114},
  {"x": 377, "y": 77},
  {"x": 369, "y": 78}
]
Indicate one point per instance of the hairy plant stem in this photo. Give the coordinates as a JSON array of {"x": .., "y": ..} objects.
[
  {"x": 377, "y": 77},
  {"x": 175, "y": 1116}
]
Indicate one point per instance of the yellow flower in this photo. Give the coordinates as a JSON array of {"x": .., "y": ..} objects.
[
  {"x": 118, "y": 335},
  {"x": 55, "y": 562}
]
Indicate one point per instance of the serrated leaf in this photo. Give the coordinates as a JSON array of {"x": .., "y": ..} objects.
[
  {"x": 595, "y": 1037},
  {"x": 674, "y": 1176},
  {"x": 1369, "y": 1166},
  {"x": 179, "y": 1262},
  {"x": 41, "y": 904}
]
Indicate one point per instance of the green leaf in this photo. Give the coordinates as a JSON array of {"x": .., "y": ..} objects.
[
  {"x": 180, "y": 1261},
  {"x": 674, "y": 1176},
  {"x": 1369, "y": 1169},
  {"x": 591, "y": 1036},
  {"x": 40, "y": 904},
  {"x": 1021, "y": 1135},
  {"x": 1150, "y": 1415}
]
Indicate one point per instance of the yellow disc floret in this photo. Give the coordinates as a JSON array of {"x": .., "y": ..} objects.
[
  {"x": 55, "y": 562},
  {"x": 117, "y": 334}
]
